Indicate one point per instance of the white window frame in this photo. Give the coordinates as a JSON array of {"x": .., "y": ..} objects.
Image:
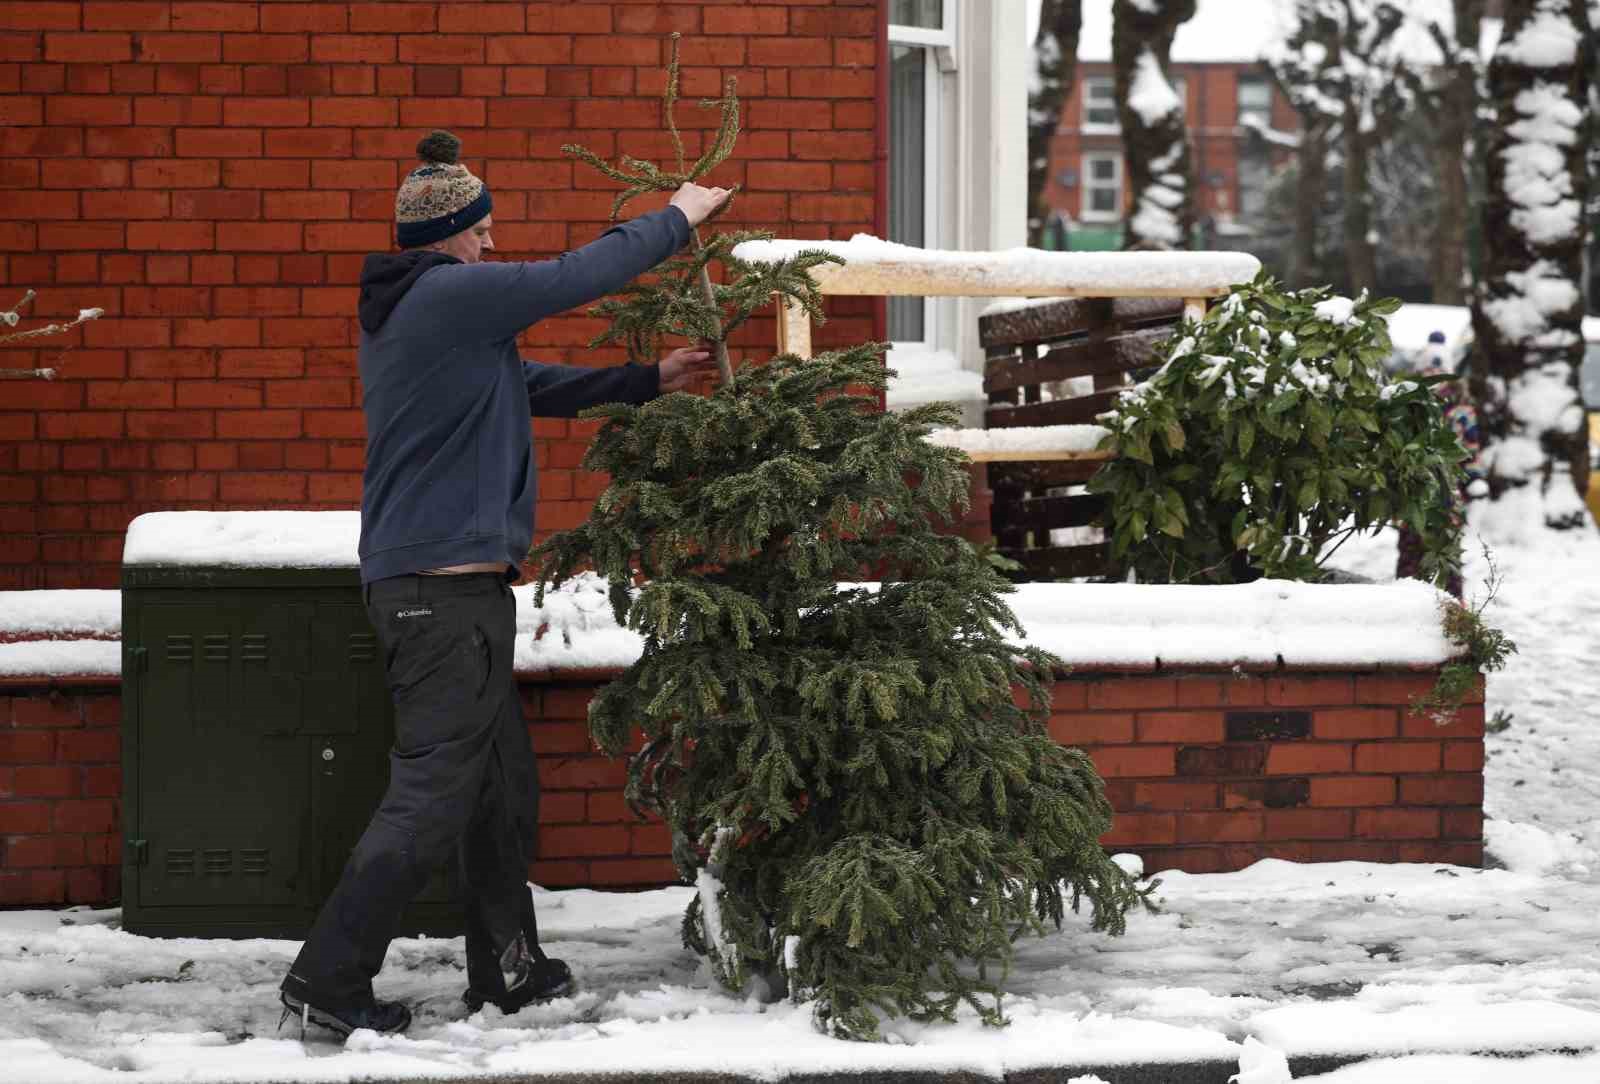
[
  {"x": 1098, "y": 127},
  {"x": 939, "y": 57},
  {"x": 1086, "y": 212},
  {"x": 901, "y": 34}
]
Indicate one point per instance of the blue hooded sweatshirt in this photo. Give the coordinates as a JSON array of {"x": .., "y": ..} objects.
[{"x": 449, "y": 472}]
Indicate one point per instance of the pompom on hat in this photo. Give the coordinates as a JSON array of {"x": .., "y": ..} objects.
[{"x": 440, "y": 197}]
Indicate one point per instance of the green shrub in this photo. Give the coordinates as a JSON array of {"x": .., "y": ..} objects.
[{"x": 1268, "y": 435}]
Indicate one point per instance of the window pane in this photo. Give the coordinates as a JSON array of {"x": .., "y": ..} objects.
[
  {"x": 1253, "y": 178},
  {"x": 1103, "y": 169},
  {"x": 1100, "y": 101},
  {"x": 1255, "y": 99},
  {"x": 908, "y": 141},
  {"x": 928, "y": 14},
  {"x": 1103, "y": 200}
]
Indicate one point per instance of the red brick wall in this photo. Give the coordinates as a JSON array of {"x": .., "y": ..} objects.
[
  {"x": 1211, "y": 113},
  {"x": 211, "y": 174},
  {"x": 1206, "y": 773}
]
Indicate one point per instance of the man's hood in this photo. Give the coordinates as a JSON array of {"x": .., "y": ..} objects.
[{"x": 385, "y": 278}]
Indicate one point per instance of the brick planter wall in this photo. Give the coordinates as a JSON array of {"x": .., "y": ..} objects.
[
  {"x": 1207, "y": 772},
  {"x": 211, "y": 175}
]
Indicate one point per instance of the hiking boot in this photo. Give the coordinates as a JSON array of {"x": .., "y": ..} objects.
[
  {"x": 528, "y": 977},
  {"x": 380, "y": 1016}
]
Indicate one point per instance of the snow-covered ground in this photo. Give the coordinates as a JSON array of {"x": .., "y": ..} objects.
[{"x": 1429, "y": 967}]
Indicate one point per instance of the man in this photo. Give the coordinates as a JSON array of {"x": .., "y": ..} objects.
[{"x": 446, "y": 515}]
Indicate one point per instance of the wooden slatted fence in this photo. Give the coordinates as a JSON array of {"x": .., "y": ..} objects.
[{"x": 1029, "y": 355}]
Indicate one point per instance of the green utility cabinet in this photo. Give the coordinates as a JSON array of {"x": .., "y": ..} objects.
[{"x": 256, "y": 731}]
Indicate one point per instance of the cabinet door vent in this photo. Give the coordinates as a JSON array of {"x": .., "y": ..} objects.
[
  {"x": 180, "y": 862},
  {"x": 253, "y": 647},
  {"x": 218, "y": 861},
  {"x": 215, "y": 648},
  {"x": 363, "y": 647},
  {"x": 180, "y": 648},
  {"x": 253, "y": 860}
]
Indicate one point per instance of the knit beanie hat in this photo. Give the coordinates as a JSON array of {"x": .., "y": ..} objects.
[{"x": 440, "y": 197}]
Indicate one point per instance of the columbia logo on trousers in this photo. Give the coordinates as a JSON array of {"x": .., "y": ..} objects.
[{"x": 413, "y": 613}]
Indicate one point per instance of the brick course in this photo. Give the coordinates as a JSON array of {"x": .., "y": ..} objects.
[
  {"x": 211, "y": 175},
  {"x": 1201, "y": 808}
]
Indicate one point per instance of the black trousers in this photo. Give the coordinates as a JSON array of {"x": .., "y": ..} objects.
[{"x": 462, "y": 785}]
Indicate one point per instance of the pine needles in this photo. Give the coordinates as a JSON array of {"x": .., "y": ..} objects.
[{"x": 870, "y": 816}]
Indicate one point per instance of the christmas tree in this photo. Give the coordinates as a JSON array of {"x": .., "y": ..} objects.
[{"x": 871, "y": 816}]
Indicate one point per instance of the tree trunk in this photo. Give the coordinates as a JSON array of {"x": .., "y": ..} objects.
[
  {"x": 1154, "y": 135},
  {"x": 1311, "y": 178},
  {"x": 1299, "y": 70},
  {"x": 1455, "y": 109},
  {"x": 1055, "y": 50},
  {"x": 1527, "y": 314},
  {"x": 1360, "y": 239}
]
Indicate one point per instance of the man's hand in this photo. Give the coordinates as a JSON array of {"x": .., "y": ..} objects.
[
  {"x": 684, "y": 366},
  {"x": 697, "y": 203}
]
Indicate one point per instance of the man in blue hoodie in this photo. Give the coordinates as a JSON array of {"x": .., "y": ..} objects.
[{"x": 446, "y": 516}]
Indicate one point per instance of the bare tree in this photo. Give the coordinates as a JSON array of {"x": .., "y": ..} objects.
[
  {"x": 11, "y": 317},
  {"x": 1448, "y": 95},
  {"x": 1154, "y": 136},
  {"x": 1055, "y": 52},
  {"x": 1528, "y": 311},
  {"x": 1343, "y": 64},
  {"x": 1300, "y": 68}
]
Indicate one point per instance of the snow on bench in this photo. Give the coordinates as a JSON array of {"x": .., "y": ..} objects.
[{"x": 1025, "y": 442}]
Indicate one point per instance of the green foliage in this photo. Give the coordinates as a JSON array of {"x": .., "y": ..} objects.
[
  {"x": 851, "y": 760},
  {"x": 1269, "y": 433},
  {"x": 1484, "y": 650},
  {"x": 871, "y": 817}
]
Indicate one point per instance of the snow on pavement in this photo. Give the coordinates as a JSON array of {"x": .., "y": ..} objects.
[{"x": 1430, "y": 966}]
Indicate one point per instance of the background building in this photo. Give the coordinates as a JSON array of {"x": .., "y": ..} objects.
[{"x": 1229, "y": 98}]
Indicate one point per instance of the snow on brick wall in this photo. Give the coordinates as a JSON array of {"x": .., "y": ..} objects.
[
  {"x": 213, "y": 179},
  {"x": 1261, "y": 626}
]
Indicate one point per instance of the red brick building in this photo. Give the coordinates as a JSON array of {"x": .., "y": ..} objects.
[
  {"x": 212, "y": 174},
  {"x": 1226, "y": 92}
]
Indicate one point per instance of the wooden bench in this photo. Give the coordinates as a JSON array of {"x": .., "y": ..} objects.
[
  {"x": 1115, "y": 308},
  {"x": 1031, "y": 352}
]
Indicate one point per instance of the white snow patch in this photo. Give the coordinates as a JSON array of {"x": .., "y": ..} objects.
[
  {"x": 919, "y": 375},
  {"x": 1336, "y": 310},
  {"x": 56, "y": 612},
  {"x": 1150, "y": 95},
  {"x": 244, "y": 539},
  {"x": 1021, "y": 271},
  {"x": 1442, "y": 1024},
  {"x": 1038, "y": 438},
  {"x": 1546, "y": 41},
  {"x": 61, "y": 658}
]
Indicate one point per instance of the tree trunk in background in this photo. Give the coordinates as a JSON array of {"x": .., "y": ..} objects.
[
  {"x": 1528, "y": 311},
  {"x": 1456, "y": 103},
  {"x": 1055, "y": 51},
  {"x": 1154, "y": 136},
  {"x": 1311, "y": 178},
  {"x": 1360, "y": 240},
  {"x": 1300, "y": 67}
]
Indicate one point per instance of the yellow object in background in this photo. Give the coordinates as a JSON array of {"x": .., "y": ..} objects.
[{"x": 1594, "y": 465}]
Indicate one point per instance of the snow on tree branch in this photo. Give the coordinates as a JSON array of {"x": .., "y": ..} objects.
[{"x": 1528, "y": 314}]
